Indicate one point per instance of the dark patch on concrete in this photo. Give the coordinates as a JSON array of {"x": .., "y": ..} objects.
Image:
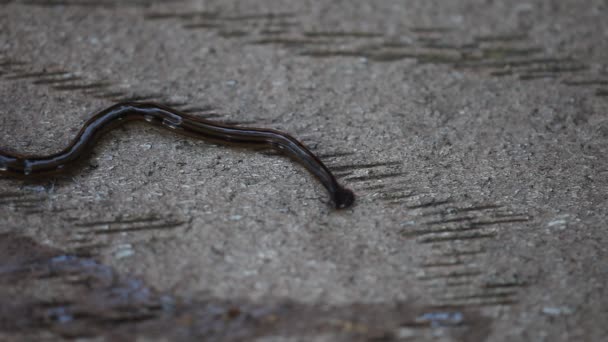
[{"x": 84, "y": 298}]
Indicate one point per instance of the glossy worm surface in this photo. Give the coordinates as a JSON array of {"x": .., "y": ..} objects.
[{"x": 17, "y": 165}]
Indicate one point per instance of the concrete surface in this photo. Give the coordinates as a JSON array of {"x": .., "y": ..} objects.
[{"x": 474, "y": 134}]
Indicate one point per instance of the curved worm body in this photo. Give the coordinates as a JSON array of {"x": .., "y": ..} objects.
[{"x": 35, "y": 166}]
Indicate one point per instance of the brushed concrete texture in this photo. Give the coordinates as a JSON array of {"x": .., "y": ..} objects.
[{"x": 473, "y": 132}]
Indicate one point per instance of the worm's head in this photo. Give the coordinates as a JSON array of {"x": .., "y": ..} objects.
[{"x": 343, "y": 198}]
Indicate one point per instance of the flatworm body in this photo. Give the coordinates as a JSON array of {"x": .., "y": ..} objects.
[{"x": 17, "y": 165}]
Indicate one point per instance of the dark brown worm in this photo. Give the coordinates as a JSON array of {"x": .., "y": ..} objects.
[{"x": 35, "y": 166}]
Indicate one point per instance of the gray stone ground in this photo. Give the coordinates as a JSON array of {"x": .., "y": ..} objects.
[{"x": 474, "y": 134}]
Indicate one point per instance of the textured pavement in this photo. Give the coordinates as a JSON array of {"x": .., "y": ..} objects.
[{"x": 474, "y": 134}]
